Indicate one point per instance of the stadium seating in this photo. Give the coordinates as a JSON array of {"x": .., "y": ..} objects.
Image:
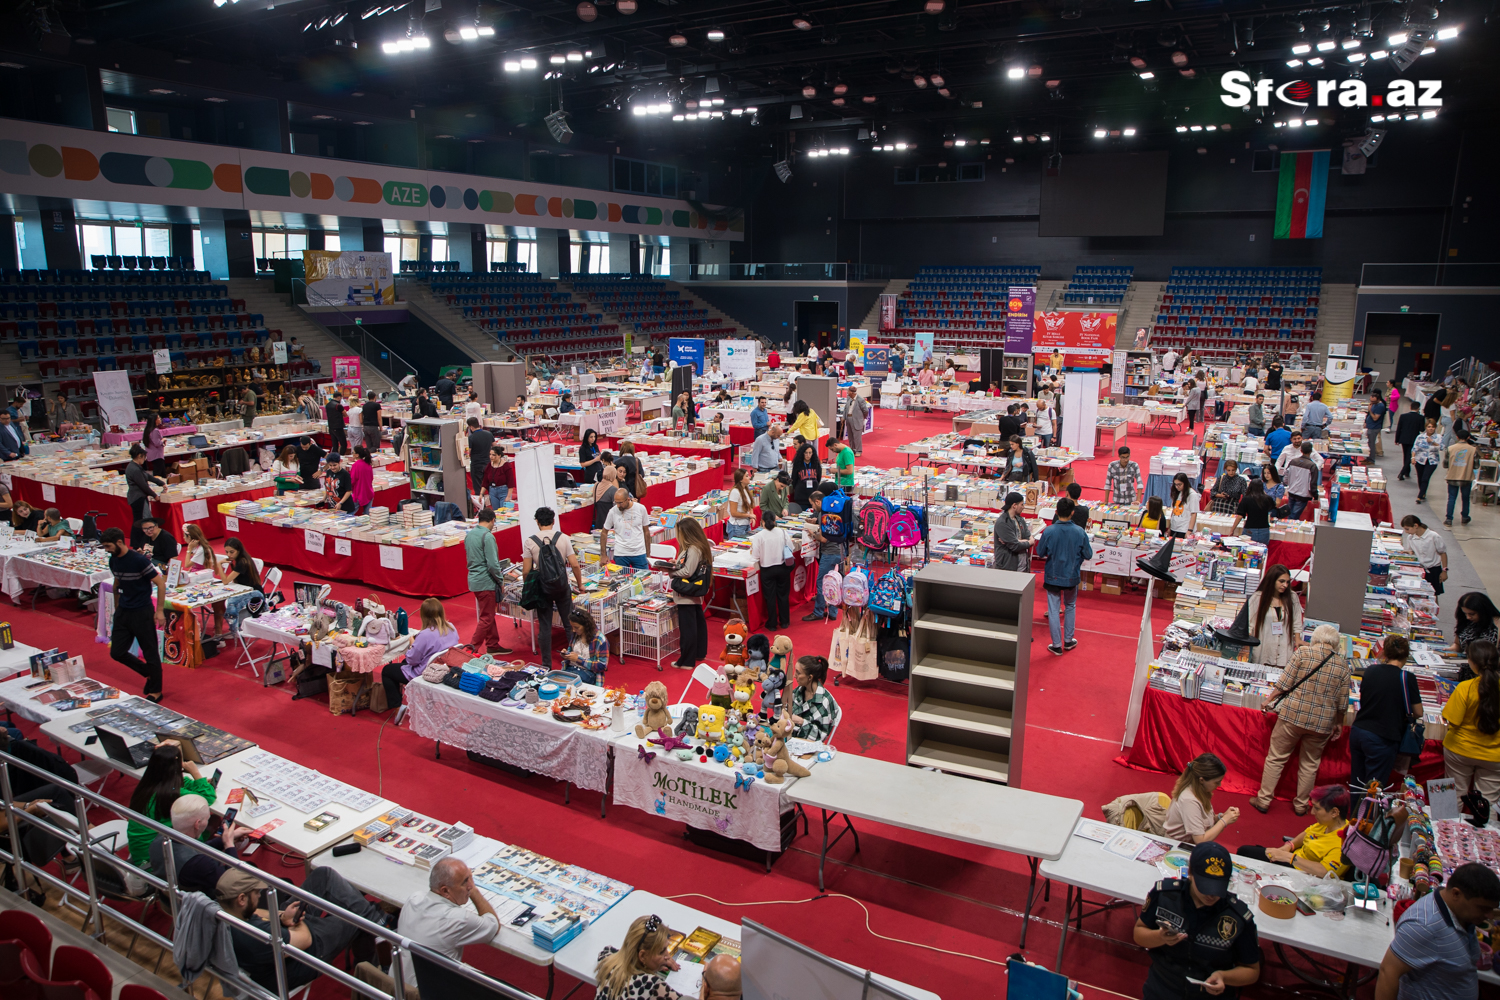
[
  {"x": 1221, "y": 311},
  {"x": 529, "y": 314},
  {"x": 1098, "y": 286},
  {"x": 963, "y": 306},
  {"x": 657, "y": 312}
]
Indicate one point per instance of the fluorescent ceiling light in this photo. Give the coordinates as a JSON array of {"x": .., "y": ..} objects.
[
  {"x": 1301, "y": 50},
  {"x": 1446, "y": 33}
]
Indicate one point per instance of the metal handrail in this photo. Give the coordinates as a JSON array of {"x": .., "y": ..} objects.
[
  {"x": 92, "y": 853},
  {"x": 364, "y": 335},
  {"x": 514, "y": 354}
]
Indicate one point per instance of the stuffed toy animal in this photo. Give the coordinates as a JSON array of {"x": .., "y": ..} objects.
[
  {"x": 758, "y": 653},
  {"x": 735, "y": 634},
  {"x": 774, "y": 677},
  {"x": 688, "y": 723},
  {"x": 774, "y": 756},
  {"x": 710, "y": 724},
  {"x": 721, "y": 693},
  {"x": 317, "y": 626},
  {"x": 744, "y": 680},
  {"x": 657, "y": 715}
]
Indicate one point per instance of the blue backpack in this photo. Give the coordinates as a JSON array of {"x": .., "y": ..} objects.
[
  {"x": 833, "y": 516},
  {"x": 888, "y": 596}
]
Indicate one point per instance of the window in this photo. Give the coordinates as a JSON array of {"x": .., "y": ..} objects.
[
  {"x": 596, "y": 262},
  {"x": 439, "y": 248},
  {"x": 330, "y": 241},
  {"x": 158, "y": 241},
  {"x": 640, "y": 177},
  {"x": 499, "y": 250},
  {"x": 939, "y": 173},
  {"x": 128, "y": 241},
  {"x": 1264, "y": 161},
  {"x": 95, "y": 240},
  {"x": 120, "y": 120},
  {"x": 198, "y": 254}
]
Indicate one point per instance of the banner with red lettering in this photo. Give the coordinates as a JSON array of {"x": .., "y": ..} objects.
[{"x": 1086, "y": 340}]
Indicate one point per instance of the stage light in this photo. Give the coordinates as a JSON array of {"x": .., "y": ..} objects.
[
  {"x": 1301, "y": 50},
  {"x": 1377, "y": 118},
  {"x": 920, "y": 81},
  {"x": 557, "y": 124},
  {"x": 1100, "y": 133},
  {"x": 638, "y": 109},
  {"x": 1379, "y": 54},
  {"x": 1396, "y": 39},
  {"x": 934, "y": 6},
  {"x": 801, "y": 24},
  {"x": 1429, "y": 114},
  {"x": 1315, "y": 61},
  {"x": 627, "y": 6},
  {"x": 1045, "y": 137},
  {"x": 557, "y": 59},
  {"x": 1446, "y": 33},
  {"x": 527, "y": 62},
  {"x": 715, "y": 34},
  {"x": 1310, "y": 122},
  {"x": 1295, "y": 123},
  {"x": 575, "y": 56},
  {"x": 678, "y": 40},
  {"x": 937, "y": 79},
  {"x": 1130, "y": 131},
  {"x": 1148, "y": 75},
  {"x": 1350, "y": 43},
  {"x": 1357, "y": 57},
  {"x": 1016, "y": 73},
  {"x": 1326, "y": 45},
  {"x": 468, "y": 34},
  {"x": 1182, "y": 128},
  {"x": 1294, "y": 63},
  {"x": 586, "y": 11}
]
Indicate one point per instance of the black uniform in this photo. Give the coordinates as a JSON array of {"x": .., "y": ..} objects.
[{"x": 1219, "y": 938}]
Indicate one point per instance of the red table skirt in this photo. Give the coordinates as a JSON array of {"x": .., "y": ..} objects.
[
  {"x": 1372, "y": 502},
  {"x": 1174, "y": 730},
  {"x": 74, "y": 501},
  {"x": 1292, "y": 555},
  {"x": 424, "y": 573}
]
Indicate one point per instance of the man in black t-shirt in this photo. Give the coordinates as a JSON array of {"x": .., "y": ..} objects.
[
  {"x": 338, "y": 487},
  {"x": 309, "y": 458},
  {"x": 1009, "y": 423},
  {"x": 160, "y": 545},
  {"x": 335, "y": 411},
  {"x": 370, "y": 420},
  {"x": 135, "y": 620}
]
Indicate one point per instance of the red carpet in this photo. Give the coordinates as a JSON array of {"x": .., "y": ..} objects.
[{"x": 919, "y": 889}]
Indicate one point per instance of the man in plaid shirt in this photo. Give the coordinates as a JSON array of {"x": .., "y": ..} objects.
[
  {"x": 1311, "y": 715},
  {"x": 1124, "y": 479}
]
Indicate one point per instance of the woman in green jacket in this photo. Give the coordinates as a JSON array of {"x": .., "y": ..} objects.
[{"x": 160, "y": 785}]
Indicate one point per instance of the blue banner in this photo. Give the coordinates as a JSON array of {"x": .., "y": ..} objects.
[
  {"x": 877, "y": 358},
  {"x": 686, "y": 351}
]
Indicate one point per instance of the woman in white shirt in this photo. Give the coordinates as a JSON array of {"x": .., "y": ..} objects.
[
  {"x": 196, "y": 550},
  {"x": 741, "y": 507},
  {"x": 769, "y": 546},
  {"x": 1182, "y": 504},
  {"x": 287, "y": 470}
]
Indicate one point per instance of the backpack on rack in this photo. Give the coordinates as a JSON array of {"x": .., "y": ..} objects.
[
  {"x": 552, "y": 572},
  {"x": 856, "y": 588},
  {"x": 874, "y": 524},
  {"x": 833, "y": 516},
  {"x": 888, "y": 596},
  {"x": 905, "y": 530},
  {"x": 833, "y": 588}
]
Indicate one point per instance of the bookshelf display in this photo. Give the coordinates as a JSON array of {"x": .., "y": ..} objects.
[
  {"x": 971, "y": 643},
  {"x": 1015, "y": 375},
  {"x": 432, "y": 462},
  {"x": 1137, "y": 373}
]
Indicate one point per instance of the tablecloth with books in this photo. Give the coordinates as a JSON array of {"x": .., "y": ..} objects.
[{"x": 521, "y": 738}]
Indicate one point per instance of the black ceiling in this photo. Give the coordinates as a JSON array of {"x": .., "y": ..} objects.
[{"x": 856, "y": 63}]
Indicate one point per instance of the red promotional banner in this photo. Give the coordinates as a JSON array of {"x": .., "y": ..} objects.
[{"x": 1086, "y": 340}]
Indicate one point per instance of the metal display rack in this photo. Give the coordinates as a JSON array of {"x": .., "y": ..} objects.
[{"x": 650, "y": 635}]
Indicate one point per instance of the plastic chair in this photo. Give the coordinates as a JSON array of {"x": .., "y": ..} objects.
[
  {"x": 31, "y": 931},
  {"x": 54, "y": 990},
  {"x": 70, "y": 964}
]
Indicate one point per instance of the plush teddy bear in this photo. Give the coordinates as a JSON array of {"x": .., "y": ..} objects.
[
  {"x": 773, "y": 679},
  {"x": 735, "y": 634},
  {"x": 657, "y": 715}
]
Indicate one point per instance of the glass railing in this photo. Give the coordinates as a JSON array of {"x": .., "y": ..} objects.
[
  {"x": 1430, "y": 275},
  {"x": 827, "y": 271}
]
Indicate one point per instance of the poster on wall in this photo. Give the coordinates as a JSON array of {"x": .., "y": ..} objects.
[
  {"x": 115, "y": 400},
  {"x": 921, "y": 348},
  {"x": 349, "y": 278},
  {"x": 877, "y": 359},
  {"x": 737, "y": 358},
  {"x": 1020, "y": 318},
  {"x": 1086, "y": 340},
  {"x": 346, "y": 372},
  {"x": 685, "y": 351},
  {"x": 888, "y": 312}
]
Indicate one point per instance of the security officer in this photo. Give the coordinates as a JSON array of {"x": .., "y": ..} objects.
[{"x": 1201, "y": 937}]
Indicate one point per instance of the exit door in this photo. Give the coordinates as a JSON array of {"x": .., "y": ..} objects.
[{"x": 816, "y": 323}]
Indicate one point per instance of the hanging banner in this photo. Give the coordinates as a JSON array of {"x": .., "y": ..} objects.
[
  {"x": 115, "y": 400},
  {"x": 921, "y": 348},
  {"x": 686, "y": 351},
  {"x": 349, "y": 278},
  {"x": 346, "y": 371},
  {"x": 877, "y": 359},
  {"x": 737, "y": 358},
  {"x": 1020, "y": 318},
  {"x": 1086, "y": 340},
  {"x": 888, "y": 312}
]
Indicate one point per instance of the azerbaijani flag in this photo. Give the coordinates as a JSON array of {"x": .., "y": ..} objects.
[{"x": 1300, "y": 195}]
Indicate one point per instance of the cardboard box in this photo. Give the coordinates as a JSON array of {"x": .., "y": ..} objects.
[
  {"x": 1110, "y": 588},
  {"x": 201, "y": 463},
  {"x": 187, "y": 472}
]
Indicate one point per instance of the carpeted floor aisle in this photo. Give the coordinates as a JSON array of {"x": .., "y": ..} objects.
[{"x": 918, "y": 889}]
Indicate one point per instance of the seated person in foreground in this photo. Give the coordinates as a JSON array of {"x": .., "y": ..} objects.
[
  {"x": 442, "y": 918},
  {"x": 323, "y": 936},
  {"x": 1319, "y": 849},
  {"x": 196, "y": 871},
  {"x": 1191, "y": 818},
  {"x": 630, "y": 971},
  {"x": 721, "y": 979}
]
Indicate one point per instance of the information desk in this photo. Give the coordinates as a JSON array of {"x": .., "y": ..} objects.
[
  {"x": 1173, "y": 730},
  {"x": 525, "y": 740},
  {"x": 1359, "y": 938},
  {"x": 945, "y": 805}
]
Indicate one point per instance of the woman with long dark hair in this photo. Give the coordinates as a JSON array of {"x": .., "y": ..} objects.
[
  {"x": 1275, "y": 618},
  {"x": 156, "y": 447},
  {"x": 161, "y": 784},
  {"x": 1471, "y": 747},
  {"x": 1228, "y": 488},
  {"x": 1476, "y": 620},
  {"x": 588, "y": 457},
  {"x": 1183, "y": 502},
  {"x": 741, "y": 507},
  {"x": 694, "y": 554},
  {"x": 1255, "y": 510},
  {"x": 807, "y": 473}
]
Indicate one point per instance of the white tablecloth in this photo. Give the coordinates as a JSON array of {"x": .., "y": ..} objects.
[
  {"x": 521, "y": 738},
  {"x": 9, "y": 582},
  {"x": 19, "y": 573}
]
